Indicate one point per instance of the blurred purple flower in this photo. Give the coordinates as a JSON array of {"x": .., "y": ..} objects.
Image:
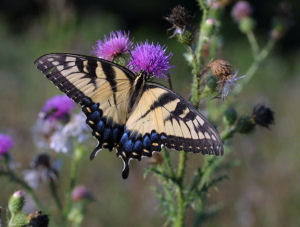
[
  {"x": 58, "y": 108},
  {"x": 116, "y": 44},
  {"x": 6, "y": 143},
  {"x": 241, "y": 10},
  {"x": 150, "y": 59},
  {"x": 80, "y": 193}
]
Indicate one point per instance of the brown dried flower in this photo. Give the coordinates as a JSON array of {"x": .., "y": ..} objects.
[
  {"x": 221, "y": 69},
  {"x": 225, "y": 75}
]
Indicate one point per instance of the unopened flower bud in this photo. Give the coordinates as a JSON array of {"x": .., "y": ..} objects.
[
  {"x": 246, "y": 25},
  {"x": 230, "y": 116},
  {"x": 245, "y": 124},
  {"x": 80, "y": 193},
  {"x": 241, "y": 10},
  {"x": 185, "y": 38},
  {"x": 263, "y": 116},
  {"x": 16, "y": 202}
]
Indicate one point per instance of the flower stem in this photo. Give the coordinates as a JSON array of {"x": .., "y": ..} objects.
[
  {"x": 55, "y": 196},
  {"x": 180, "y": 195},
  {"x": 73, "y": 175},
  {"x": 167, "y": 160},
  {"x": 253, "y": 43}
]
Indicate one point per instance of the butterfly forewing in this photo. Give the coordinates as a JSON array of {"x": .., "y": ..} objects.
[{"x": 100, "y": 80}]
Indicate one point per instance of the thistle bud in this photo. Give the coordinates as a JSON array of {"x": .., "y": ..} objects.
[
  {"x": 80, "y": 193},
  {"x": 246, "y": 25},
  {"x": 241, "y": 10},
  {"x": 263, "y": 116},
  {"x": 230, "y": 116},
  {"x": 16, "y": 202},
  {"x": 245, "y": 125}
]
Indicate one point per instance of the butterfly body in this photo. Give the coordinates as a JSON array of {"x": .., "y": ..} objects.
[{"x": 127, "y": 112}]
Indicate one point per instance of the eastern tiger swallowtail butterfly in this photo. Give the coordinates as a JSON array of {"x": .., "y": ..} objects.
[{"x": 127, "y": 111}]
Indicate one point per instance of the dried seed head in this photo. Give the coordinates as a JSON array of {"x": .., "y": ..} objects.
[
  {"x": 221, "y": 69},
  {"x": 179, "y": 17}
]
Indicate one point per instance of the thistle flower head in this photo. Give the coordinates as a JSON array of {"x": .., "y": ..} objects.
[
  {"x": 241, "y": 10},
  {"x": 150, "y": 59},
  {"x": 263, "y": 116},
  {"x": 113, "y": 46},
  {"x": 6, "y": 143},
  {"x": 58, "y": 108},
  {"x": 80, "y": 193}
]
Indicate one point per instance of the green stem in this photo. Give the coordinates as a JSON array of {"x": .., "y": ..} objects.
[
  {"x": 55, "y": 196},
  {"x": 77, "y": 155},
  {"x": 253, "y": 43},
  {"x": 167, "y": 161},
  {"x": 181, "y": 166},
  {"x": 180, "y": 195}
]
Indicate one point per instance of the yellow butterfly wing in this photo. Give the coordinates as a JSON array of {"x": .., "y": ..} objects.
[{"x": 176, "y": 122}]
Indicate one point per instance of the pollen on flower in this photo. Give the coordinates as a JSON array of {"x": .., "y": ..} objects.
[
  {"x": 113, "y": 46},
  {"x": 150, "y": 59}
]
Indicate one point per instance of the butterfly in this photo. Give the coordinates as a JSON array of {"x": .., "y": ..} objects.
[{"x": 128, "y": 112}]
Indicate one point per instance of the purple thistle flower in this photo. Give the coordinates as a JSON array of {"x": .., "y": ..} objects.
[
  {"x": 241, "y": 9},
  {"x": 150, "y": 59},
  {"x": 116, "y": 44},
  {"x": 6, "y": 143},
  {"x": 58, "y": 108}
]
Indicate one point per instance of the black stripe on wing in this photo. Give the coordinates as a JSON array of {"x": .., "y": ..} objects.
[
  {"x": 56, "y": 66},
  {"x": 208, "y": 142}
]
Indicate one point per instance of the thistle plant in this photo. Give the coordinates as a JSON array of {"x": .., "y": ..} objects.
[{"x": 58, "y": 131}]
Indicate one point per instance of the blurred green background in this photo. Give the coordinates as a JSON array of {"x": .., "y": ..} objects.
[{"x": 262, "y": 191}]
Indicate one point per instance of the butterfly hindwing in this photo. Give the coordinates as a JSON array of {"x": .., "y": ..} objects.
[{"x": 181, "y": 126}]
